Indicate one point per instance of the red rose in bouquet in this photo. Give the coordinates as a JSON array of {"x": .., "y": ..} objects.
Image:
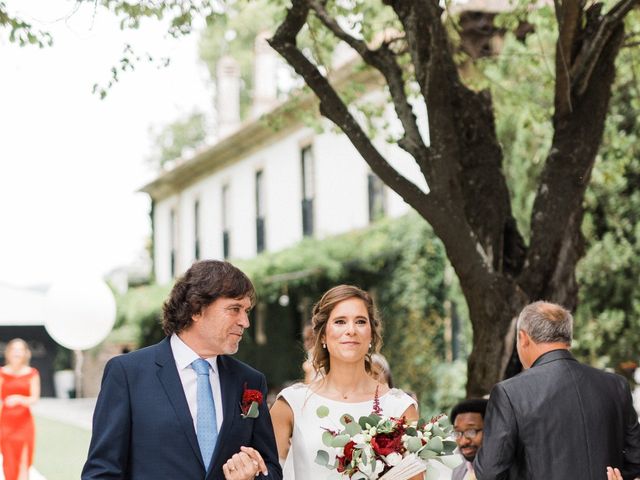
[
  {"x": 345, "y": 459},
  {"x": 386, "y": 443},
  {"x": 348, "y": 450}
]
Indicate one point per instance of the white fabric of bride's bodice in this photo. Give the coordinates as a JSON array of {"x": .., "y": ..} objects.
[{"x": 308, "y": 428}]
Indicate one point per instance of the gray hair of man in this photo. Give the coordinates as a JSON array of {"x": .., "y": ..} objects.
[{"x": 546, "y": 322}]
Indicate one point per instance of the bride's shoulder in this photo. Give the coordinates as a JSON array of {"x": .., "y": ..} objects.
[
  {"x": 397, "y": 395},
  {"x": 294, "y": 390},
  {"x": 397, "y": 392}
]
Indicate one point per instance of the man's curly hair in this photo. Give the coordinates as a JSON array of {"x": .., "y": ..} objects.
[{"x": 201, "y": 285}]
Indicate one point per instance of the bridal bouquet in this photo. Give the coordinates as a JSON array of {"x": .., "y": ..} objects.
[{"x": 385, "y": 448}]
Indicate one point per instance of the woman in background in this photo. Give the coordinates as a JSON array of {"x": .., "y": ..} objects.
[
  {"x": 381, "y": 370},
  {"x": 19, "y": 389}
]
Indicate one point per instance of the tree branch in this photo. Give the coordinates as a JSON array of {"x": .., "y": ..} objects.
[
  {"x": 435, "y": 72},
  {"x": 569, "y": 18},
  {"x": 384, "y": 60},
  {"x": 582, "y": 69}
]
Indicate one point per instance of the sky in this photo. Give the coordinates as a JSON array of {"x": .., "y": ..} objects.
[{"x": 70, "y": 163}]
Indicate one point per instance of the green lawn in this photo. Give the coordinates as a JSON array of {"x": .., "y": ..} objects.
[{"x": 60, "y": 449}]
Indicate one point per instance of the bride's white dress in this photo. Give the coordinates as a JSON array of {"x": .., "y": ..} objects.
[{"x": 307, "y": 427}]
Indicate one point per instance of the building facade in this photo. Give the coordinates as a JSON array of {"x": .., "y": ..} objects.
[{"x": 265, "y": 188}]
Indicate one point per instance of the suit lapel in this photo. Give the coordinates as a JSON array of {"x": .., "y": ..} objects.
[
  {"x": 170, "y": 380},
  {"x": 230, "y": 390}
]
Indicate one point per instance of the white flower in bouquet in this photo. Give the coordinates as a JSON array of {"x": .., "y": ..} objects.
[
  {"x": 360, "y": 438},
  {"x": 393, "y": 459}
]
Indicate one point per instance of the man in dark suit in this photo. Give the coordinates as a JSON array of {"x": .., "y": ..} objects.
[
  {"x": 176, "y": 410},
  {"x": 467, "y": 418},
  {"x": 559, "y": 419}
]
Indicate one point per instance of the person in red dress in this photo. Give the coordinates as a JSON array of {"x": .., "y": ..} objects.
[{"x": 19, "y": 389}]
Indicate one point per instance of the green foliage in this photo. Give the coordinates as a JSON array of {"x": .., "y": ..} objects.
[
  {"x": 181, "y": 15},
  {"x": 451, "y": 380},
  {"x": 172, "y": 140},
  {"x": 138, "y": 315},
  {"x": 22, "y": 32},
  {"x": 608, "y": 317}
]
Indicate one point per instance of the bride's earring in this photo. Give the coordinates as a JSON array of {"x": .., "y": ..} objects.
[{"x": 324, "y": 345}]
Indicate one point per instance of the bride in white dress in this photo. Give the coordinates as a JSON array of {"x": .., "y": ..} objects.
[{"x": 346, "y": 333}]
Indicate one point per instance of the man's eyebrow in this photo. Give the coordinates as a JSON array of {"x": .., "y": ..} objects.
[{"x": 237, "y": 305}]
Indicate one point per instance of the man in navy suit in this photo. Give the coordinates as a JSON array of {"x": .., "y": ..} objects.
[{"x": 175, "y": 410}]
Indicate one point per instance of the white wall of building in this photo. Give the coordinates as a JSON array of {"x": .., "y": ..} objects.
[{"x": 340, "y": 203}]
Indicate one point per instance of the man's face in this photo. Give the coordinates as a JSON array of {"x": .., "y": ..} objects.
[
  {"x": 467, "y": 422},
  {"x": 218, "y": 329}
]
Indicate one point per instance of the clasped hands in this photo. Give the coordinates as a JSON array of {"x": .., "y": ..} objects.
[
  {"x": 244, "y": 465},
  {"x": 14, "y": 400}
]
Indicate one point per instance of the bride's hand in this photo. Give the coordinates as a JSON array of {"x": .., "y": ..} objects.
[
  {"x": 239, "y": 467},
  {"x": 257, "y": 458}
]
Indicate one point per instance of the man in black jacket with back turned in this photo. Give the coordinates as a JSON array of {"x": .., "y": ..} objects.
[{"x": 559, "y": 419}]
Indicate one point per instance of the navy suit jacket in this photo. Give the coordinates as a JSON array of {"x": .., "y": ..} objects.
[{"x": 143, "y": 429}]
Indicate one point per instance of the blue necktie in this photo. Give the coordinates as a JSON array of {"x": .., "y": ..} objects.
[{"x": 206, "y": 424}]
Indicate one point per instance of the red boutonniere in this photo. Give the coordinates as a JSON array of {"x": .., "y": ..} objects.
[{"x": 251, "y": 400}]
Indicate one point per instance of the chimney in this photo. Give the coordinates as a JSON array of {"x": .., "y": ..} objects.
[
  {"x": 228, "y": 95},
  {"x": 265, "y": 86}
]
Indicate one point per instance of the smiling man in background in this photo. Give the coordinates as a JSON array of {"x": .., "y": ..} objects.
[
  {"x": 468, "y": 422},
  {"x": 179, "y": 409}
]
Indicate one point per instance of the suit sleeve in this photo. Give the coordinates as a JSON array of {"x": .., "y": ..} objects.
[
  {"x": 631, "y": 468},
  {"x": 499, "y": 442},
  {"x": 263, "y": 439},
  {"x": 110, "y": 440}
]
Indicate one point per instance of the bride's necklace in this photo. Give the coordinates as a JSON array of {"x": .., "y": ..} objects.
[{"x": 345, "y": 395}]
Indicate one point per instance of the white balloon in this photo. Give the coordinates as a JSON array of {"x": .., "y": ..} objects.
[{"x": 79, "y": 312}]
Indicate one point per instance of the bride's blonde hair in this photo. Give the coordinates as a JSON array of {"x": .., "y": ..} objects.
[{"x": 321, "y": 312}]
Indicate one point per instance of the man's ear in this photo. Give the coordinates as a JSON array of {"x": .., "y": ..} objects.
[
  {"x": 523, "y": 338},
  {"x": 197, "y": 316}
]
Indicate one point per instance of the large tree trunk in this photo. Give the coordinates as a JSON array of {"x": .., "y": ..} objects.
[{"x": 468, "y": 204}]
